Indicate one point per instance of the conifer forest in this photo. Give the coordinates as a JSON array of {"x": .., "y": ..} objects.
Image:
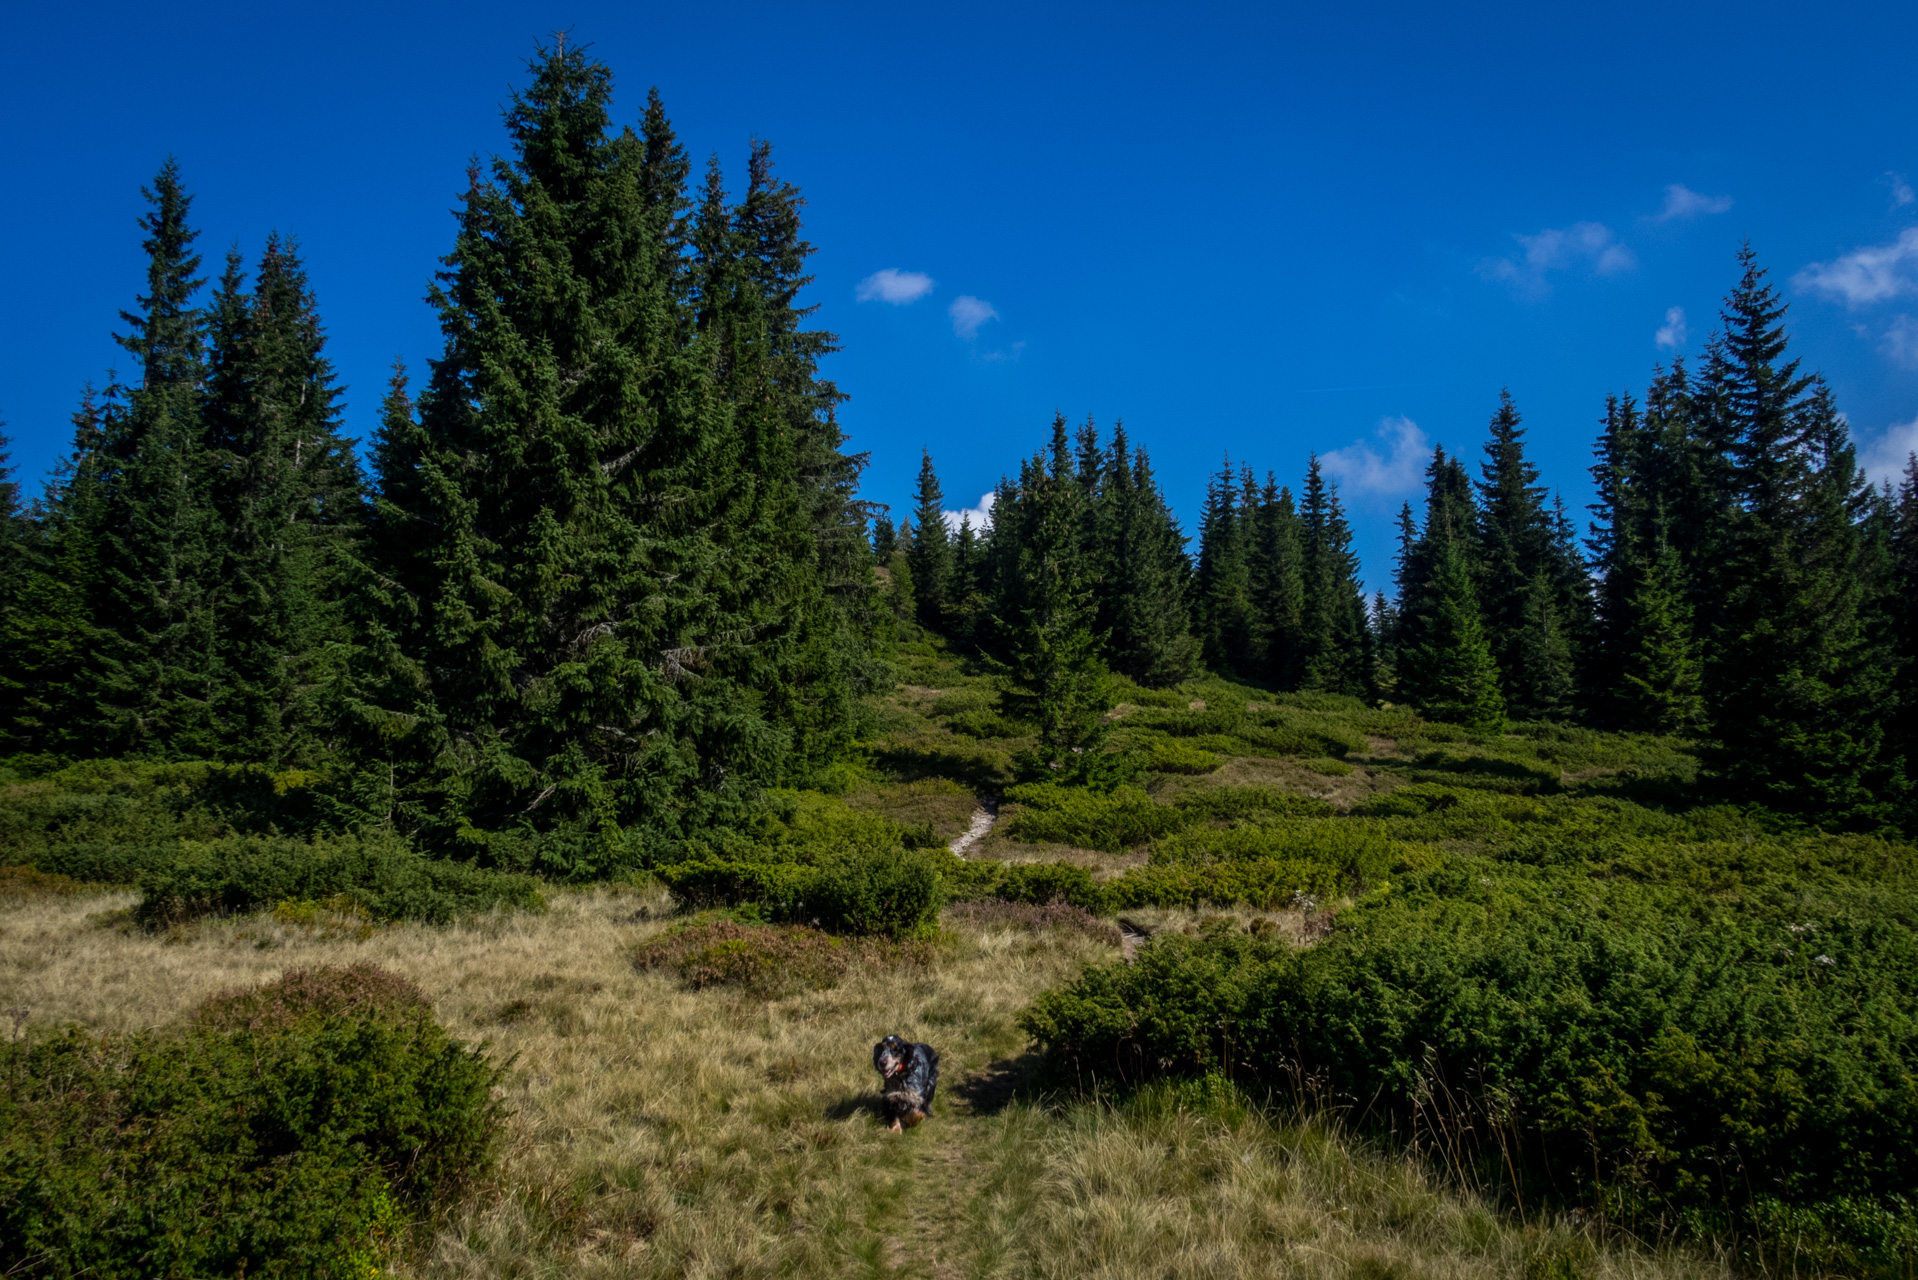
[{"x": 1549, "y": 911}]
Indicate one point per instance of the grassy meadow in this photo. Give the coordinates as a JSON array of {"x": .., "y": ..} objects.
[{"x": 689, "y": 1093}]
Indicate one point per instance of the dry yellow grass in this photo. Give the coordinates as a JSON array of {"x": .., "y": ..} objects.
[{"x": 658, "y": 1131}]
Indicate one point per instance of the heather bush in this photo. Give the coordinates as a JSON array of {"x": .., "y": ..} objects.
[
  {"x": 1168, "y": 755},
  {"x": 896, "y": 892},
  {"x": 292, "y": 1131},
  {"x": 1115, "y": 820},
  {"x": 1678, "y": 1049},
  {"x": 381, "y": 877}
]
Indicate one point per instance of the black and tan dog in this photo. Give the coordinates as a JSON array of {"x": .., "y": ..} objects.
[{"x": 911, "y": 1076}]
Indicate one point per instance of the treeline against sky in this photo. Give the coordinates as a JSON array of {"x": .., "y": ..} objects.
[
  {"x": 603, "y": 573},
  {"x": 1742, "y": 583},
  {"x": 598, "y": 578}
]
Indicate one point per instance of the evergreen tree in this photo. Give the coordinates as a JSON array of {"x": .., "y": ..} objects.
[
  {"x": 930, "y": 551},
  {"x": 1793, "y": 687},
  {"x": 1055, "y": 677},
  {"x": 1514, "y": 550},
  {"x": 1546, "y": 683},
  {"x": 619, "y": 597},
  {"x": 1901, "y": 610},
  {"x": 1150, "y": 637},
  {"x": 1384, "y": 627},
  {"x": 1459, "y": 678},
  {"x": 663, "y": 175},
  {"x": 1450, "y": 519},
  {"x": 48, "y": 645},
  {"x": 153, "y": 670},
  {"x": 1227, "y": 625},
  {"x": 884, "y": 537},
  {"x": 1659, "y": 669},
  {"x": 286, "y": 489},
  {"x": 1278, "y": 585},
  {"x": 966, "y": 600},
  {"x": 1335, "y": 645}
]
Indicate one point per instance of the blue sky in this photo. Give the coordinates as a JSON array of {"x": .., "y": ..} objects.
[{"x": 1265, "y": 230}]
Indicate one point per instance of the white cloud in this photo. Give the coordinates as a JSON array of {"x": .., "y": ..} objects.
[
  {"x": 981, "y": 515},
  {"x": 1871, "y": 274},
  {"x": 894, "y": 286},
  {"x": 1359, "y": 468},
  {"x": 1557, "y": 248},
  {"x": 1681, "y": 202},
  {"x": 968, "y": 313},
  {"x": 1884, "y": 458},
  {"x": 1008, "y": 356},
  {"x": 1672, "y": 333},
  {"x": 1901, "y": 192},
  {"x": 1900, "y": 343}
]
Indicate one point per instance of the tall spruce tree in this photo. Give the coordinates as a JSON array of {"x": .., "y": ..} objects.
[
  {"x": 1524, "y": 616},
  {"x": 618, "y": 601},
  {"x": 1055, "y": 676},
  {"x": 1659, "y": 673},
  {"x": 1450, "y": 519},
  {"x": 1150, "y": 633},
  {"x": 1227, "y": 626},
  {"x": 1458, "y": 676},
  {"x": 1902, "y": 617},
  {"x": 153, "y": 668},
  {"x": 47, "y": 641},
  {"x": 286, "y": 489},
  {"x": 930, "y": 550},
  {"x": 1335, "y": 645},
  {"x": 1278, "y": 585},
  {"x": 1792, "y": 684}
]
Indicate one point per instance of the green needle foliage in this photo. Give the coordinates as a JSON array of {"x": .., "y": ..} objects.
[{"x": 1458, "y": 677}]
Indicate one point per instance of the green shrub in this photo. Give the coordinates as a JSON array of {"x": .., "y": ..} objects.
[
  {"x": 1264, "y": 883},
  {"x": 1044, "y": 882},
  {"x": 1250, "y": 802},
  {"x": 1655, "y": 1052},
  {"x": 1115, "y": 820},
  {"x": 1168, "y": 755},
  {"x": 896, "y": 893},
  {"x": 380, "y": 876},
  {"x": 1354, "y": 850},
  {"x": 1188, "y": 723},
  {"x": 983, "y": 723},
  {"x": 292, "y": 1131},
  {"x": 954, "y": 701},
  {"x": 884, "y": 891}
]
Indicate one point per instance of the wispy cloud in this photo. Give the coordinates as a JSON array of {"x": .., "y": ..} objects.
[
  {"x": 1684, "y": 204},
  {"x": 968, "y": 313},
  {"x": 894, "y": 286},
  {"x": 1360, "y": 468},
  {"x": 1901, "y": 192},
  {"x": 980, "y": 515},
  {"x": 1010, "y": 355},
  {"x": 1556, "y": 249},
  {"x": 1885, "y": 457},
  {"x": 1871, "y": 274},
  {"x": 1900, "y": 343},
  {"x": 1671, "y": 334}
]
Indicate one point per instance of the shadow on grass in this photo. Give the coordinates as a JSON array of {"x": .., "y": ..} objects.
[
  {"x": 856, "y": 1104},
  {"x": 1486, "y": 772},
  {"x": 911, "y": 763},
  {"x": 999, "y": 1084}
]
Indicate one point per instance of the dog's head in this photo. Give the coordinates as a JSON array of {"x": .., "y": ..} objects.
[{"x": 891, "y": 1055}]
